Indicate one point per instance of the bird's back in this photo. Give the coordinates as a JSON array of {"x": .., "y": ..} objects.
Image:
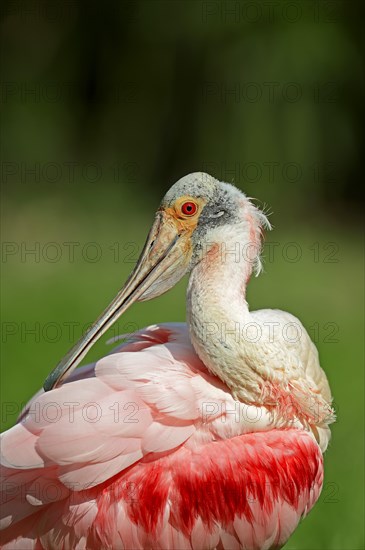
[{"x": 149, "y": 450}]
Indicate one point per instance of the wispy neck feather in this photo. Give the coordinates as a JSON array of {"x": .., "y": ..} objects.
[{"x": 258, "y": 223}]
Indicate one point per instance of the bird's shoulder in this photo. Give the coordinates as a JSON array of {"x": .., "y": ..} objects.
[
  {"x": 285, "y": 336},
  {"x": 288, "y": 334}
]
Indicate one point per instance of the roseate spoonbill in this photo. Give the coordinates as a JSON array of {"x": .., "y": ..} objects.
[{"x": 201, "y": 435}]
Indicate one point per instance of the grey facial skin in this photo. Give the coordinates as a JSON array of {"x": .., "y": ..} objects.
[{"x": 221, "y": 207}]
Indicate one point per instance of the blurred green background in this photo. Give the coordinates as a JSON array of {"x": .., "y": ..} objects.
[{"x": 106, "y": 104}]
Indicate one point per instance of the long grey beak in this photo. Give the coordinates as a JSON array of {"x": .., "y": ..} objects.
[{"x": 161, "y": 254}]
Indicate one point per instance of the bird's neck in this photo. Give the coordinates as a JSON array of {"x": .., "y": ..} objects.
[
  {"x": 237, "y": 346},
  {"x": 218, "y": 315}
]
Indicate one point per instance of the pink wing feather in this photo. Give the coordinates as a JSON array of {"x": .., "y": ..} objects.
[{"x": 150, "y": 450}]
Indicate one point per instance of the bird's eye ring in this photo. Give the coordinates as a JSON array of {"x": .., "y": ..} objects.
[{"x": 188, "y": 208}]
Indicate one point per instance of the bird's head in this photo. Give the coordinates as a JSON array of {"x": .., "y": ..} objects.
[{"x": 196, "y": 213}]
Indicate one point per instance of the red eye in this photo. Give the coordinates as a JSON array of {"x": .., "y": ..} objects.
[{"x": 189, "y": 208}]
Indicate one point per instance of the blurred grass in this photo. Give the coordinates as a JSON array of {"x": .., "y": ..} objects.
[
  {"x": 65, "y": 292},
  {"x": 147, "y": 92}
]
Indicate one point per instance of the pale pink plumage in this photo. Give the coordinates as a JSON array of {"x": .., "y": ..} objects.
[{"x": 150, "y": 450}]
